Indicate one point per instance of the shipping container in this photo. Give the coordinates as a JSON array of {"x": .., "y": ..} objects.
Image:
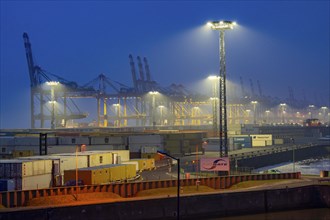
[
  {"x": 136, "y": 163},
  {"x": 22, "y": 168},
  {"x": 94, "y": 158},
  {"x": 102, "y": 174},
  {"x": 7, "y": 185},
  {"x": 258, "y": 143},
  {"x": 145, "y": 163},
  {"x": 278, "y": 141},
  {"x": 33, "y": 182},
  {"x": 22, "y": 153},
  {"x": 123, "y": 154}
]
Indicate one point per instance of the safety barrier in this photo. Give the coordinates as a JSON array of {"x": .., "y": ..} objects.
[{"x": 20, "y": 198}]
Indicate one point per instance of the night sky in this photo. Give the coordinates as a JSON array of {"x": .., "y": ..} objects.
[{"x": 279, "y": 43}]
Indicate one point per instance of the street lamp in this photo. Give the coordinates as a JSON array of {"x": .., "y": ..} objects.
[
  {"x": 117, "y": 110},
  {"x": 248, "y": 114},
  {"x": 254, "y": 103},
  {"x": 161, "y": 107},
  {"x": 324, "y": 109},
  {"x": 153, "y": 93},
  {"x": 215, "y": 79},
  {"x": 267, "y": 115},
  {"x": 52, "y": 85},
  {"x": 282, "y": 105},
  {"x": 178, "y": 188},
  {"x": 222, "y": 26},
  {"x": 311, "y": 107}
]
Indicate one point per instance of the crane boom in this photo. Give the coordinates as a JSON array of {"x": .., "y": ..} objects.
[
  {"x": 29, "y": 57},
  {"x": 242, "y": 86},
  {"x": 146, "y": 66},
  {"x": 131, "y": 62},
  {"x": 252, "y": 88},
  {"x": 259, "y": 88},
  {"x": 141, "y": 73}
]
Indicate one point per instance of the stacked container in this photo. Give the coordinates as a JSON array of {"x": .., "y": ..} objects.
[{"x": 27, "y": 174}]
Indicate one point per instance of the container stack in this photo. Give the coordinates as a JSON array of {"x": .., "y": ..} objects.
[{"x": 27, "y": 174}]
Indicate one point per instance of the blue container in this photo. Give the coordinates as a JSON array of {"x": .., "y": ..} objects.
[
  {"x": 245, "y": 142},
  {"x": 7, "y": 185}
]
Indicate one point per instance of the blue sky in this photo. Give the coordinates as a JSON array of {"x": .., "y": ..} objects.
[{"x": 279, "y": 43}]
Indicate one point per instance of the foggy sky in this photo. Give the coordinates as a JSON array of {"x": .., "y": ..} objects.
[{"x": 279, "y": 43}]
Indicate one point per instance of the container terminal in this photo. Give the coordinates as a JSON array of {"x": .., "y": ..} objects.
[{"x": 135, "y": 123}]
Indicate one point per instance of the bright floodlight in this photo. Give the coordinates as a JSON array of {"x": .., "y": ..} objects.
[
  {"x": 52, "y": 83},
  {"x": 153, "y": 92},
  {"x": 221, "y": 25},
  {"x": 213, "y": 77}
]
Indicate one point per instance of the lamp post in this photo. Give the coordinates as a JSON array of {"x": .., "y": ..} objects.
[
  {"x": 117, "y": 106},
  {"x": 178, "y": 188},
  {"x": 282, "y": 105},
  {"x": 153, "y": 93},
  {"x": 222, "y": 26},
  {"x": 267, "y": 115},
  {"x": 254, "y": 103},
  {"x": 161, "y": 107},
  {"x": 214, "y": 98},
  {"x": 324, "y": 108},
  {"x": 52, "y": 85},
  {"x": 311, "y": 107},
  {"x": 248, "y": 115}
]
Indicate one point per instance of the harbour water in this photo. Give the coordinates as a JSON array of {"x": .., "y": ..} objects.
[{"x": 311, "y": 166}]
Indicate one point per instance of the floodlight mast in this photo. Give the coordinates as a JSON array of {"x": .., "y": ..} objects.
[{"x": 221, "y": 26}]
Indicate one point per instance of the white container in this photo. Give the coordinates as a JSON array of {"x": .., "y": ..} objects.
[
  {"x": 123, "y": 154},
  {"x": 94, "y": 158},
  {"x": 33, "y": 182},
  {"x": 22, "y": 168},
  {"x": 98, "y": 159}
]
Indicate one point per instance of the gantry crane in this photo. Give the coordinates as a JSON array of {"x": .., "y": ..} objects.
[{"x": 38, "y": 77}]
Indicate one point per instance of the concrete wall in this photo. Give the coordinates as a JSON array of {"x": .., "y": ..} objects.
[{"x": 191, "y": 207}]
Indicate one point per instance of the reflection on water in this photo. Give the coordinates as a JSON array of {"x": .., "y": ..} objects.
[{"x": 306, "y": 214}]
